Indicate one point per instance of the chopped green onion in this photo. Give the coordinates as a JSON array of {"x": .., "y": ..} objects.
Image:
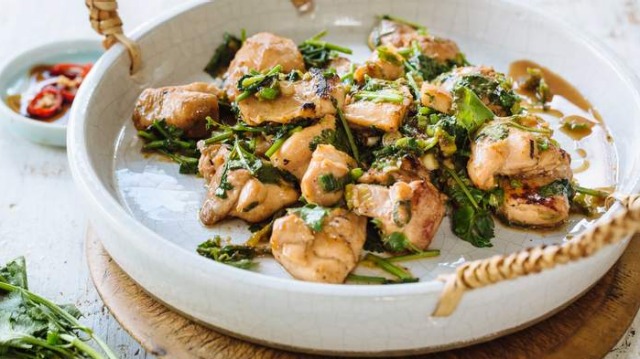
[
  {"x": 391, "y": 268},
  {"x": 420, "y": 255}
]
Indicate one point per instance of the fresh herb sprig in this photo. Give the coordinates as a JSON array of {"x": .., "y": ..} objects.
[
  {"x": 34, "y": 327},
  {"x": 171, "y": 141},
  {"x": 239, "y": 256},
  {"x": 262, "y": 84},
  {"x": 317, "y": 53}
]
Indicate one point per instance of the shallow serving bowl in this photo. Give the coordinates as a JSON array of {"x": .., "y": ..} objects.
[
  {"x": 14, "y": 79},
  {"x": 146, "y": 213}
]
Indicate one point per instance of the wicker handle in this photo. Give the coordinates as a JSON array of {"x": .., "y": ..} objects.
[
  {"x": 104, "y": 18},
  {"x": 487, "y": 271}
]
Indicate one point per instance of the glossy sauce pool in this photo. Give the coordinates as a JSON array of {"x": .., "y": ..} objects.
[{"x": 589, "y": 144}]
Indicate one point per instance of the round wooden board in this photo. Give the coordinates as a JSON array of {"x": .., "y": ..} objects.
[{"x": 588, "y": 328}]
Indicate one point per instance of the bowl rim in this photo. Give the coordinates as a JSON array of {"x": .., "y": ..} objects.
[
  {"x": 53, "y": 47},
  {"x": 110, "y": 209}
]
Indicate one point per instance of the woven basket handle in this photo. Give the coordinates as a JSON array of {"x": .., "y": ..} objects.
[
  {"x": 484, "y": 272},
  {"x": 104, "y": 18}
]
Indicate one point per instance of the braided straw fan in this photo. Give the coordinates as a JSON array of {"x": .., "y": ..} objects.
[{"x": 104, "y": 18}]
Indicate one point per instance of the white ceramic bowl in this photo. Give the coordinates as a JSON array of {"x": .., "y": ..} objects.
[
  {"x": 145, "y": 212},
  {"x": 14, "y": 74}
]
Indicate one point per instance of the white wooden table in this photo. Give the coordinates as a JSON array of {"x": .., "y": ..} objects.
[{"x": 40, "y": 213}]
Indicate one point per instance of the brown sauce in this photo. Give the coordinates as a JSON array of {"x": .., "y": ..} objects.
[
  {"x": 577, "y": 127},
  {"x": 39, "y": 77}
]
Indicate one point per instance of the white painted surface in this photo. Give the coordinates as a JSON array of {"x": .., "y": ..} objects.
[{"x": 40, "y": 216}]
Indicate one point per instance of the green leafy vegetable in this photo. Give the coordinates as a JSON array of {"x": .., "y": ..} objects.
[
  {"x": 317, "y": 53},
  {"x": 428, "y": 68},
  {"x": 471, "y": 219},
  {"x": 256, "y": 83},
  {"x": 557, "y": 188},
  {"x": 470, "y": 111},
  {"x": 34, "y": 327},
  {"x": 239, "y": 256},
  {"x": 329, "y": 183},
  {"x": 223, "y": 54},
  {"x": 496, "y": 89},
  {"x": 171, "y": 141},
  {"x": 312, "y": 215}
]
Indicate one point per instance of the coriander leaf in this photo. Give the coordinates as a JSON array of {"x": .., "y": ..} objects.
[
  {"x": 470, "y": 111},
  {"x": 312, "y": 215},
  {"x": 473, "y": 225},
  {"x": 15, "y": 273},
  {"x": 557, "y": 187},
  {"x": 318, "y": 53}
]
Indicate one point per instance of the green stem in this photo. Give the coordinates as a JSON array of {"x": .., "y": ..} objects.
[
  {"x": 414, "y": 86},
  {"x": 329, "y": 46},
  {"x": 591, "y": 192},
  {"x": 420, "y": 255},
  {"x": 80, "y": 345},
  {"x": 163, "y": 132},
  {"x": 147, "y": 136},
  {"x": 545, "y": 131},
  {"x": 464, "y": 188},
  {"x": 380, "y": 96},
  {"x": 243, "y": 96},
  {"x": 347, "y": 130},
  {"x": 365, "y": 279},
  {"x": 405, "y": 22},
  {"x": 219, "y": 137},
  {"x": 389, "y": 267}
]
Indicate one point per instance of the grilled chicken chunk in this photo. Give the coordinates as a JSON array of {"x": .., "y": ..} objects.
[
  {"x": 342, "y": 65},
  {"x": 311, "y": 97},
  {"x": 384, "y": 63},
  {"x": 535, "y": 202},
  {"x": 248, "y": 198},
  {"x": 327, "y": 256},
  {"x": 185, "y": 107},
  {"x": 493, "y": 88},
  {"x": 414, "y": 209},
  {"x": 260, "y": 52},
  {"x": 295, "y": 153},
  {"x": 323, "y": 182},
  {"x": 385, "y": 116},
  {"x": 436, "y": 98},
  {"x": 500, "y": 149},
  {"x": 406, "y": 169},
  {"x": 391, "y": 33}
]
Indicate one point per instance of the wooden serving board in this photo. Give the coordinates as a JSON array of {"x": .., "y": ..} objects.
[{"x": 588, "y": 328}]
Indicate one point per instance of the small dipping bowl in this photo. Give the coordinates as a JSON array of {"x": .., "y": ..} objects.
[{"x": 14, "y": 79}]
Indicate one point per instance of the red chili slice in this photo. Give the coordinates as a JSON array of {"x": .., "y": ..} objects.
[
  {"x": 69, "y": 70},
  {"x": 69, "y": 94},
  {"x": 46, "y": 103}
]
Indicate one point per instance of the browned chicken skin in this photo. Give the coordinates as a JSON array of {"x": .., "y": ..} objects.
[
  {"x": 406, "y": 169},
  {"x": 327, "y": 256},
  {"x": 248, "y": 199},
  {"x": 186, "y": 107},
  {"x": 401, "y": 36},
  {"x": 311, "y": 97},
  {"x": 414, "y": 209},
  {"x": 260, "y": 52},
  {"x": 517, "y": 153},
  {"x": 385, "y": 116},
  {"x": 525, "y": 205}
]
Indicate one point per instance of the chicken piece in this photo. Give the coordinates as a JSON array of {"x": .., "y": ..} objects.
[
  {"x": 493, "y": 88},
  {"x": 385, "y": 116},
  {"x": 436, "y": 98},
  {"x": 387, "y": 172},
  {"x": 384, "y": 63},
  {"x": 414, "y": 209},
  {"x": 326, "y": 256},
  {"x": 295, "y": 153},
  {"x": 342, "y": 65},
  {"x": 261, "y": 52},
  {"x": 311, "y": 97},
  {"x": 390, "y": 33},
  {"x": 323, "y": 182},
  {"x": 247, "y": 198},
  {"x": 185, "y": 107},
  {"x": 499, "y": 149},
  {"x": 535, "y": 202}
]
